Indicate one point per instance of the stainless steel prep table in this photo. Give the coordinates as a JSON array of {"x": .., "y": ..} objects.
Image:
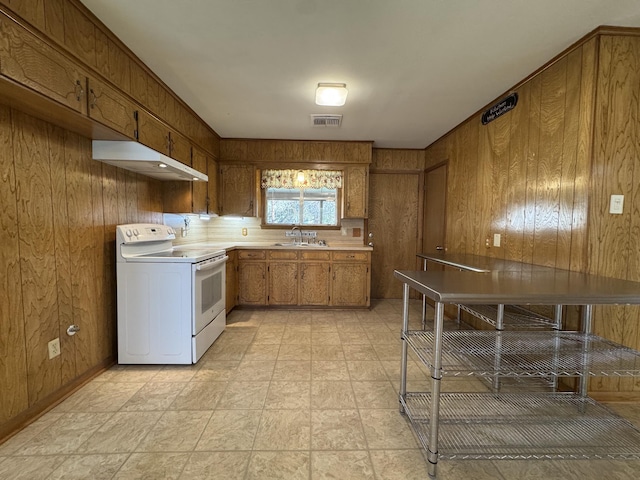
[
  {"x": 528, "y": 422},
  {"x": 493, "y": 315}
]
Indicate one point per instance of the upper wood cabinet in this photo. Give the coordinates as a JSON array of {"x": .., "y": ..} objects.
[
  {"x": 212, "y": 186},
  {"x": 29, "y": 61},
  {"x": 237, "y": 190},
  {"x": 157, "y": 135},
  {"x": 356, "y": 192},
  {"x": 199, "y": 161},
  {"x": 111, "y": 108},
  {"x": 188, "y": 197}
]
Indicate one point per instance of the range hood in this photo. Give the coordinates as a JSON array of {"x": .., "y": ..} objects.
[{"x": 141, "y": 159}]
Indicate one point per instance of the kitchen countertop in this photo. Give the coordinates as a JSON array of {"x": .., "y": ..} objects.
[{"x": 270, "y": 246}]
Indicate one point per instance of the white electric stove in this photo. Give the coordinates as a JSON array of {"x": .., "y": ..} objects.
[{"x": 171, "y": 300}]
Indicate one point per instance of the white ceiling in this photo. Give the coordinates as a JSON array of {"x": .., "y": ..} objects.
[{"x": 414, "y": 68}]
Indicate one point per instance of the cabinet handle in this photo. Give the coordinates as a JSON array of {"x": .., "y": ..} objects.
[
  {"x": 94, "y": 98},
  {"x": 351, "y": 256},
  {"x": 79, "y": 90}
]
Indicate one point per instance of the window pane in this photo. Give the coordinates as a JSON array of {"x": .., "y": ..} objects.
[{"x": 302, "y": 207}]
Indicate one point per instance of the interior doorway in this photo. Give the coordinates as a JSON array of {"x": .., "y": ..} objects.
[{"x": 435, "y": 204}]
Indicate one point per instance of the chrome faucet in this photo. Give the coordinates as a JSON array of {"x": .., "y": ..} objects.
[{"x": 299, "y": 233}]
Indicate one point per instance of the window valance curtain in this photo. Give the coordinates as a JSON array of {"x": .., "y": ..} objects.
[{"x": 312, "y": 179}]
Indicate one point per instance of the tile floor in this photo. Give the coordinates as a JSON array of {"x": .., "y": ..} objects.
[{"x": 281, "y": 395}]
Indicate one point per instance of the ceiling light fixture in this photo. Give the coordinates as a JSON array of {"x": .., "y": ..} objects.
[
  {"x": 331, "y": 94},
  {"x": 162, "y": 165}
]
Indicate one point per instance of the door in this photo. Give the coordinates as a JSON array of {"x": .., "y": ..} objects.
[
  {"x": 393, "y": 220},
  {"x": 434, "y": 209}
]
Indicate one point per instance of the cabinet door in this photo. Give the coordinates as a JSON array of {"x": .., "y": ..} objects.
[
  {"x": 180, "y": 148},
  {"x": 199, "y": 189},
  {"x": 153, "y": 133},
  {"x": 237, "y": 185},
  {"x": 32, "y": 63},
  {"x": 356, "y": 192},
  {"x": 252, "y": 283},
  {"x": 109, "y": 107},
  {"x": 231, "y": 281},
  {"x": 212, "y": 186},
  {"x": 350, "y": 285},
  {"x": 314, "y": 283},
  {"x": 283, "y": 283}
]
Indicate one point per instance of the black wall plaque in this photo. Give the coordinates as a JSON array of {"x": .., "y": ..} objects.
[{"x": 500, "y": 108}]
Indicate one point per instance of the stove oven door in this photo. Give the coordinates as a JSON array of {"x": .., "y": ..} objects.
[{"x": 208, "y": 292}]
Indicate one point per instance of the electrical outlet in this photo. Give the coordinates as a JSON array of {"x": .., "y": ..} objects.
[
  {"x": 54, "y": 348},
  {"x": 244, "y": 232}
]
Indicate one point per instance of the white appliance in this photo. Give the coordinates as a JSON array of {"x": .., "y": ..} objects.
[{"x": 171, "y": 300}]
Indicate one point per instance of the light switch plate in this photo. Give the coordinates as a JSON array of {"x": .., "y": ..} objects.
[
  {"x": 616, "y": 205},
  {"x": 496, "y": 239}
]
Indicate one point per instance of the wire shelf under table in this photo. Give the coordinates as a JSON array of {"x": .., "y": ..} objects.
[
  {"x": 514, "y": 317},
  {"x": 526, "y": 354},
  {"x": 484, "y": 425}
]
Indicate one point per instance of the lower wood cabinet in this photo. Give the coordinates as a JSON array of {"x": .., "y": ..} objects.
[
  {"x": 314, "y": 283},
  {"x": 304, "y": 278},
  {"x": 231, "y": 284},
  {"x": 252, "y": 277},
  {"x": 350, "y": 278}
]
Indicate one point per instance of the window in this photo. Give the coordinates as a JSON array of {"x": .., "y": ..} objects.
[
  {"x": 301, "y": 197},
  {"x": 301, "y": 206}
]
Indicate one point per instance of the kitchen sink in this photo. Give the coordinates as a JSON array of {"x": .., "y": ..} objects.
[{"x": 297, "y": 245}]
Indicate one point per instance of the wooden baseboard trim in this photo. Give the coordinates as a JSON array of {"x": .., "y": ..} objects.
[
  {"x": 30, "y": 415},
  {"x": 617, "y": 397}
]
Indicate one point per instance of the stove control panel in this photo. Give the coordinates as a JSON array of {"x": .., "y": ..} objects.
[{"x": 144, "y": 232}]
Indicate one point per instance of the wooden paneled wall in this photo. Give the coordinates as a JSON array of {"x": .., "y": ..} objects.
[
  {"x": 542, "y": 175},
  {"x": 525, "y": 175},
  {"x": 614, "y": 240},
  {"x": 58, "y": 212}
]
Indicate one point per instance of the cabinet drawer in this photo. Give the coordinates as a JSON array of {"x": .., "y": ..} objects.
[
  {"x": 315, "y": 255},
  {"x": 283, "y": 255},
  {"x": 350, "y": 256},
  {"x": 252, "y": 255}
]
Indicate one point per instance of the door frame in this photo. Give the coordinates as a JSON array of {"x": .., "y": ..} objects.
[{"x": 443, "y": 163}]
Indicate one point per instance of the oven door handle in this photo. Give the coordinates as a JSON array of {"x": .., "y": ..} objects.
[{"x": 209, "y": 266}]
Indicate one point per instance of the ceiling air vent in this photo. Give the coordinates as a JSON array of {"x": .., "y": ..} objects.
[{"x": 326, "y": 120}]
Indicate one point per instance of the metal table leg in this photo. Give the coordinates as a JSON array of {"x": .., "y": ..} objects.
[
  {"x": 496, "y": 364},
  {"x": 424, "y": 300},
  {"x": 436, "y": 378},
  {"x": 587, "y": 313},
  {"x": 405, "y": 328}
]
